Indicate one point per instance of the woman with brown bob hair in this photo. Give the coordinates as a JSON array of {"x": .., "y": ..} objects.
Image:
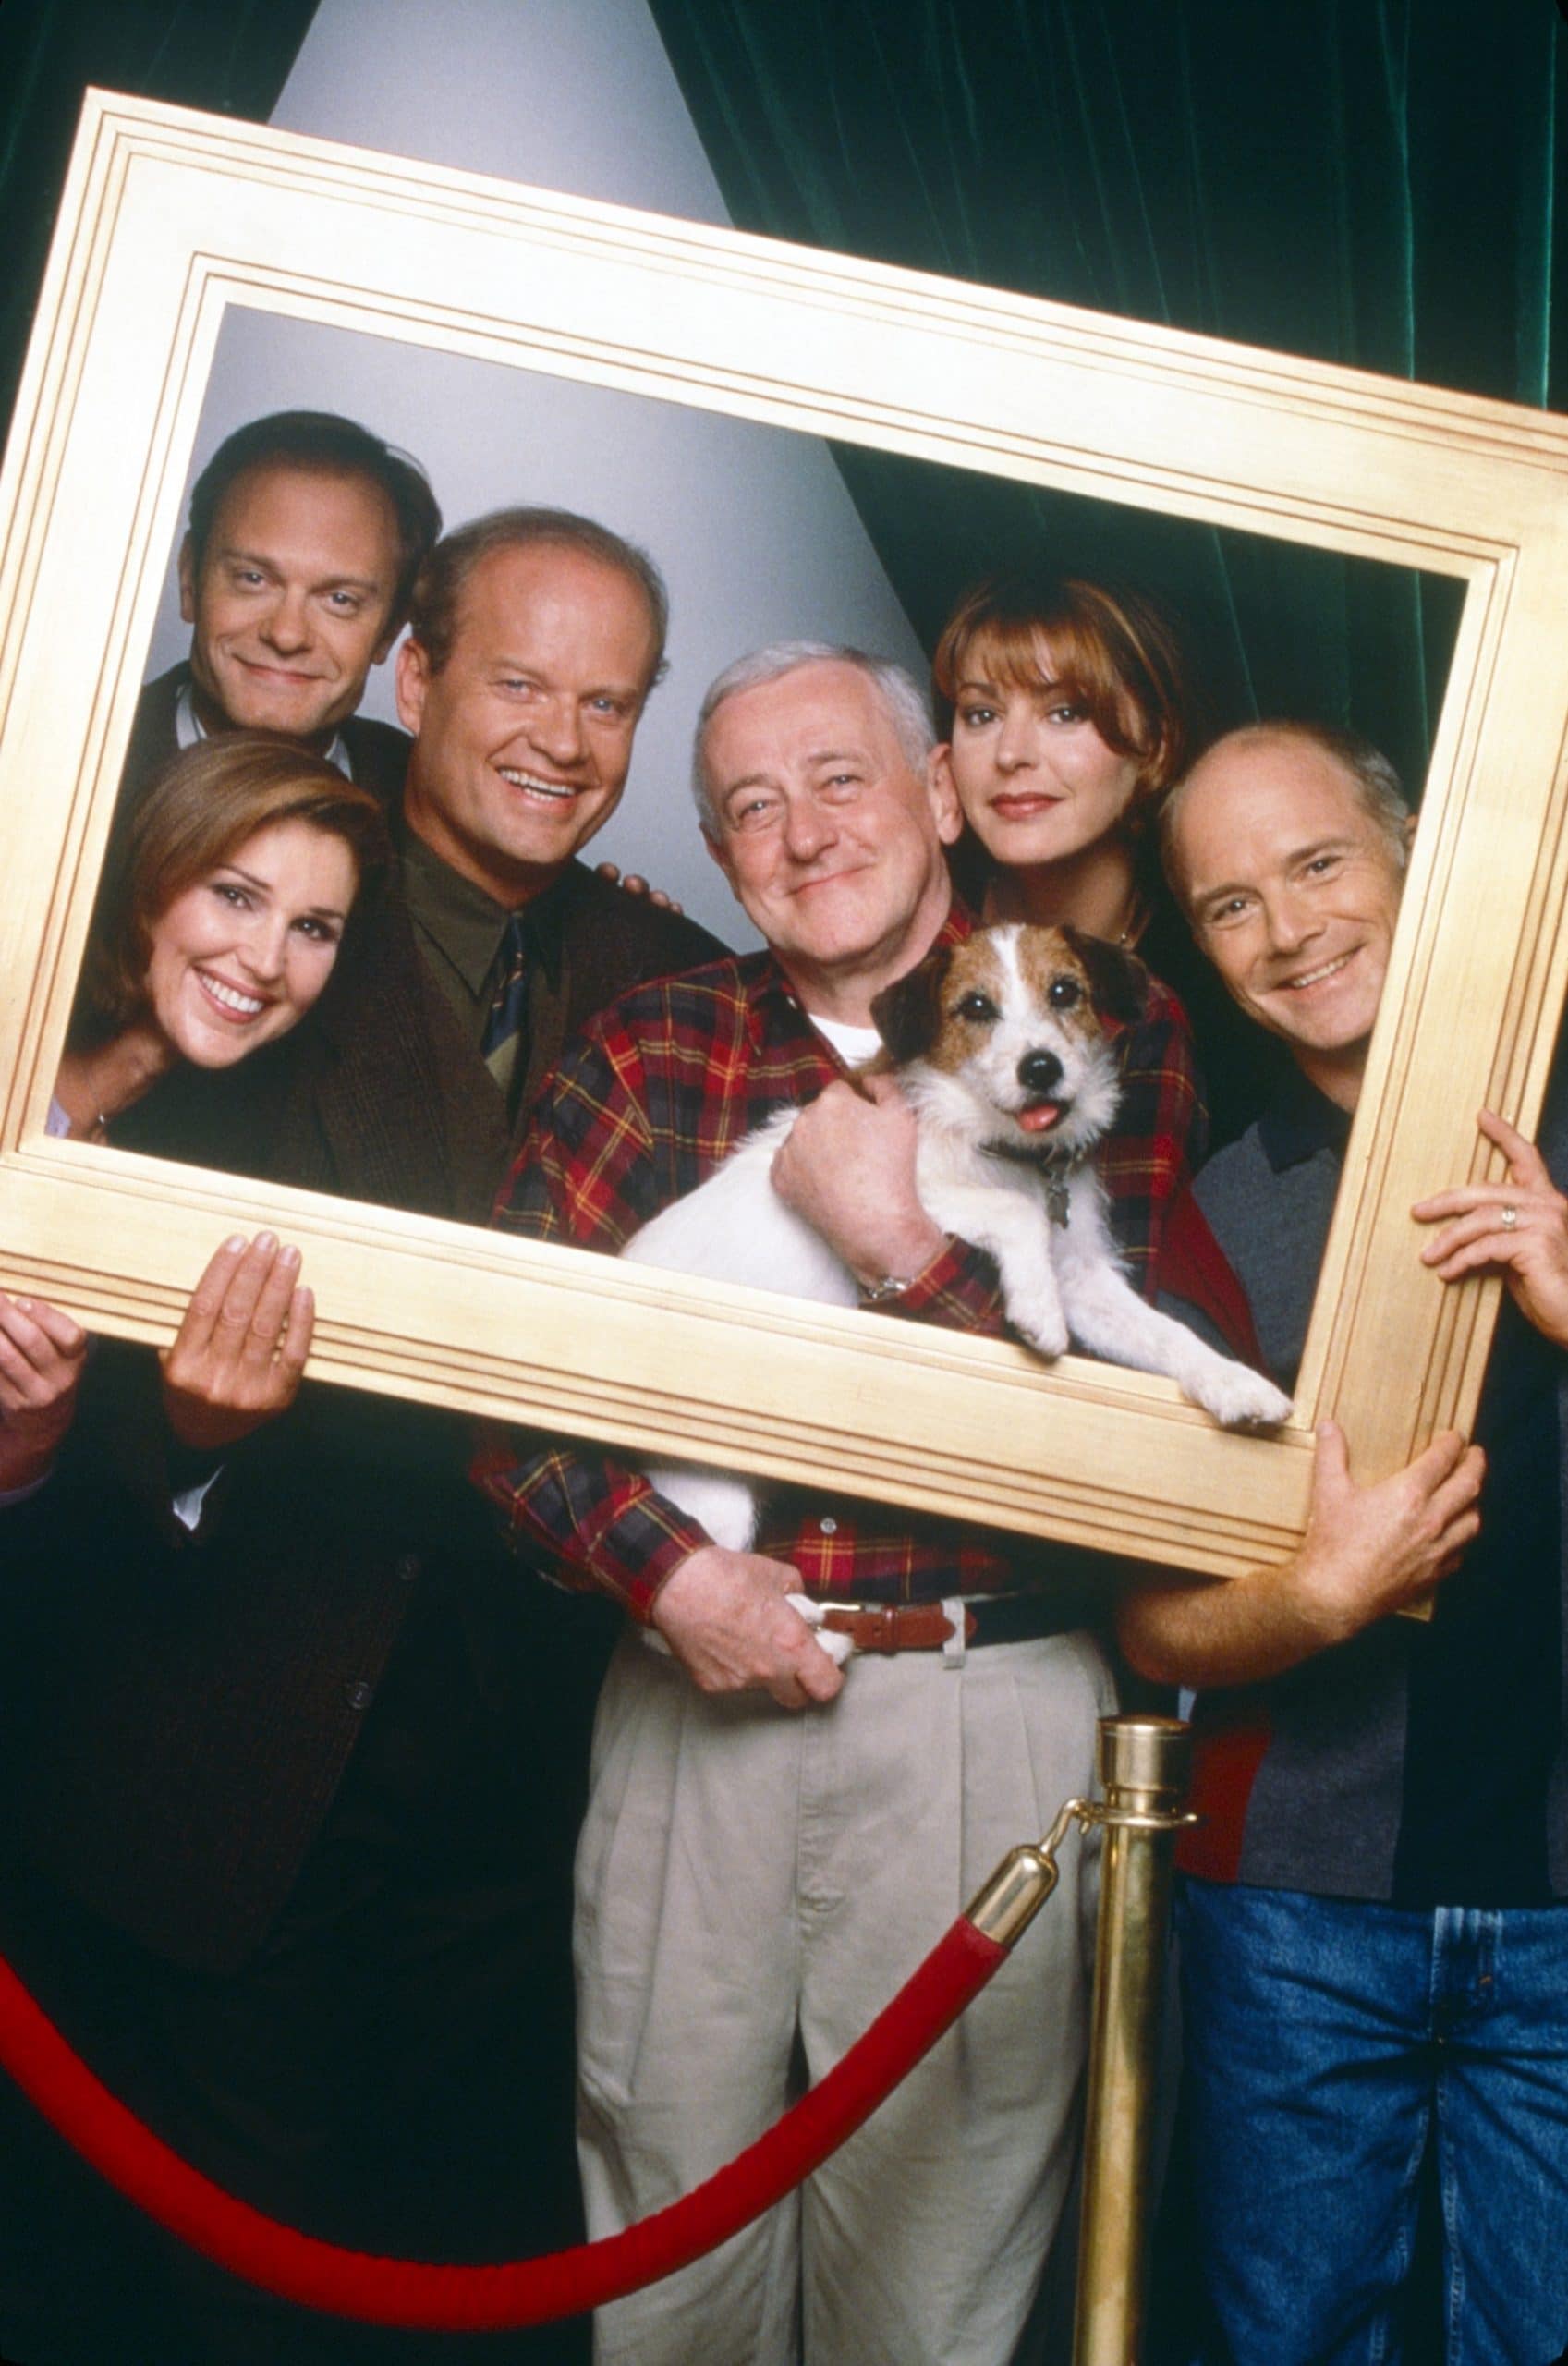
[
  {"x": 217, "y": 935},
  {"x": 1066, "y": 715},
  {"x": 222, "y": 929},
  {"x": 1067, "y": 712}
]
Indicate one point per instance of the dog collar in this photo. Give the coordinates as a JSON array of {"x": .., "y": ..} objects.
[{"x": 1053, "y": 1170}]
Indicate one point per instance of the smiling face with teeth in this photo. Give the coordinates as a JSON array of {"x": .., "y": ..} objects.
[
  {"x": 523, "y": 739},
  {"x": 1292, "y": 890},
  {"x": 239, "y": 957}
]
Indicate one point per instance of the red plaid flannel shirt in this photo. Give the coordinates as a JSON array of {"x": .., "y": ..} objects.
[{"x": 647, "y": 1103}]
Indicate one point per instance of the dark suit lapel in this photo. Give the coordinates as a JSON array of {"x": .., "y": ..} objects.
[
  {"x": 153, "y": 740},
  {"x": 378, "y": 755}
]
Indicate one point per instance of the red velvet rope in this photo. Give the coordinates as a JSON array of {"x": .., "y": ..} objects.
[{"x": 525, "y": 2292}]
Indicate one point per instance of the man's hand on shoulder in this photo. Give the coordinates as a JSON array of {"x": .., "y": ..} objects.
[
  {"x": 1519, "y": 1228},
  {"x": 724, "y": 1616},
  {"x": 636, "y": 885},
  {"x": 848, "y": 1169}
]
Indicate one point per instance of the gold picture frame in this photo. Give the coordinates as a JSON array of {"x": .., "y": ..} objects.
[{"x": 171, "y": 216}]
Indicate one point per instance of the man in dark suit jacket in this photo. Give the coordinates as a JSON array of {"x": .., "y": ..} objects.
[
  {"x": 297, "y": 1791},
  {"x": 305, "y": 535}
]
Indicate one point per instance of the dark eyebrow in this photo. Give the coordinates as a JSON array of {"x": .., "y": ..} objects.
[
  {"x": 248, "y": 558},
  {"x": 264, "y": 887},
  {"x": 328, "y": 583}
]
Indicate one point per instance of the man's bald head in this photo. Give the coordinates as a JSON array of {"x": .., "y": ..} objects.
[
  {"x": 1286, "y": 846},
  {"x": 1368, "y": 772}
]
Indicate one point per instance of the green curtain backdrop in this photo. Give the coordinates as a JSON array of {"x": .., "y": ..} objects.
[
  {"x": 1367, "y": 181},
  {"x": 231, "y": 56},
  {"x": 1370, "y": 182}
]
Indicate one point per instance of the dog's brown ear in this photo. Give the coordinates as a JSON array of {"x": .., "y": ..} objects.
[
  {"x": 1117, "y": 981},
  {"x": 907, "y": 1013}
]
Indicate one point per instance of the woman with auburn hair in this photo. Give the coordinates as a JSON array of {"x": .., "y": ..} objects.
[
  {"x": 218, "y": 936},
  {"x": 1066, "y": 714}
]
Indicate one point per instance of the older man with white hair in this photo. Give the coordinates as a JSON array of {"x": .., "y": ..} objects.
[{"x": 754, "y": 1885}]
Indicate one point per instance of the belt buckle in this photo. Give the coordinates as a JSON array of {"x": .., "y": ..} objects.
[
  {"x": 882, "y": 1620},
  {"x": 835, "y": 1616},
  {"x": 880, "y": 1616}
]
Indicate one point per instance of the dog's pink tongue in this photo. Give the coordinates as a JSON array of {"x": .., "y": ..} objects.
[{"x": 1041, "y": 1118}]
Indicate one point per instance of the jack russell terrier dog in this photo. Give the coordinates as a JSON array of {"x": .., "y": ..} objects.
[{"x": 996, "y": 1044}]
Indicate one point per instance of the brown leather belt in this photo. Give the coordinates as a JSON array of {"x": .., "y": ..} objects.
[{"x": 926, "y": 1626}]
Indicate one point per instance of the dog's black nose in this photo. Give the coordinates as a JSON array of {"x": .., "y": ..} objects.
[{"x": 1040, "y": 1072}]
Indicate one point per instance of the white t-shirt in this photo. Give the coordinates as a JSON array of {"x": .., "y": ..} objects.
[{"x": 855, "y": 1045}]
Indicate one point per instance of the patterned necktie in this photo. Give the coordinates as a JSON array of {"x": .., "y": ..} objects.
[{"x": 505, "y": 1026}]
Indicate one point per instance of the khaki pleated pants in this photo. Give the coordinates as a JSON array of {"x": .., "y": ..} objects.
[{"x": 753, "y": 1886}]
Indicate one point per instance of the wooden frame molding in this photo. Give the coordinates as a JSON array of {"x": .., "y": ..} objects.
[{"x": 171, "y": 216}]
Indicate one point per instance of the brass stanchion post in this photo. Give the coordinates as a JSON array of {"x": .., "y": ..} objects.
[{"x": 1144, "y": 1771}]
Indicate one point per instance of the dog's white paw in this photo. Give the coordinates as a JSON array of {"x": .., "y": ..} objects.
[
  {"x": 1042, "y": 1325},
  {"x": 1239, "y": 1397}
]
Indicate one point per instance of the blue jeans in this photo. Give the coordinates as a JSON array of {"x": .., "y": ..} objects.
[{"x": 1327, "y": 2042}]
